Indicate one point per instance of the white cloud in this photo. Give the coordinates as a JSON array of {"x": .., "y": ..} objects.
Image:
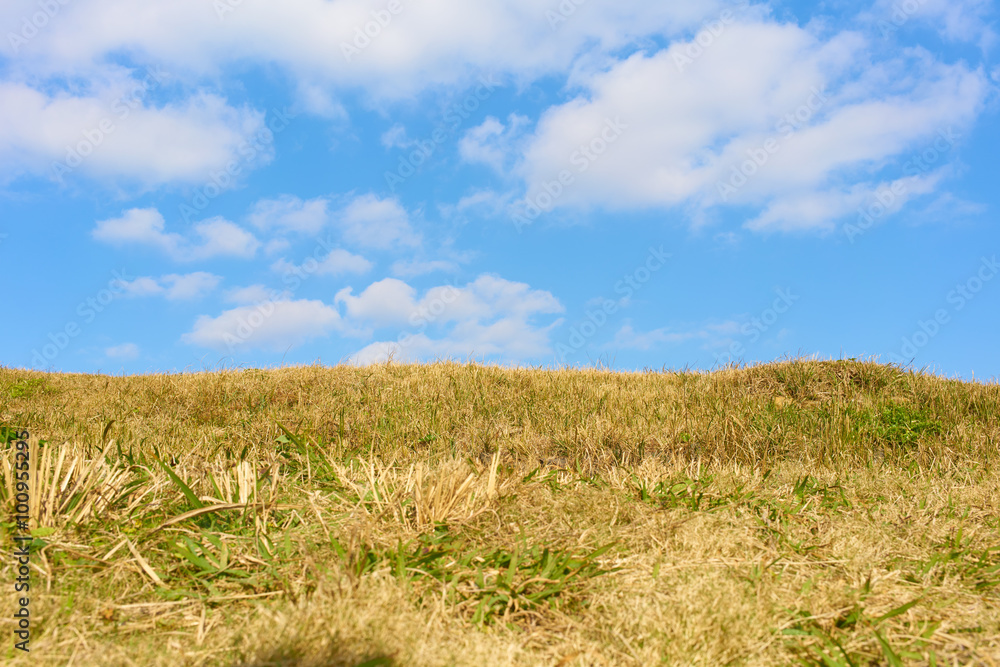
[
  {"x": 221, "y": 237},
  {"x": 480, "y": 144},
  {"x": 491, "y": 142},
  {"x": 337, "y": 262},
  {"x": 488, "y": 199},
  {"x": 395, "y": 137},
  {"x": 317, "y": 99},
  {"x": 290, "y": 214},
  {"x": 956, "y": 20},
  {"x": 427, "y": 44},
  {"x": 377, "y": 223},
  {"x": 110, "y": 133},
  {"x": 656, "y": 130},
  {"x": 387, "y": 302},
  {"x": 145, "y": 226},
  {"x": 271, "y": 325},
  {"x": 125, "y": 351},
  {"x": 190, "y": 286},
  {"x": 478, "y": 203},
  {"x": 490, "y": 317},
  {"x": 274, "y": 246},
  {"x": 948, "y": 209},
  {"x": 174, "y": 287},
  {"x": 142, "y": 226},
  {"x": 141, "y": 287},
  {"x": 817, "y": 210},
  {"x": 379, "y": 352},
  {"x": 508, "y": 339}
]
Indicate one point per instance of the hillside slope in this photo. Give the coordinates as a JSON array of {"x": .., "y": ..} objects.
[{"x": 825, "y": 512}]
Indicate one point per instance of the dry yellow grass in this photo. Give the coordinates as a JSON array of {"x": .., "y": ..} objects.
[{"x": 830, "y": 513}]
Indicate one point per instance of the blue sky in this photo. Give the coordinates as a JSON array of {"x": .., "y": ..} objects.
[{"x": 193, "y": 184}]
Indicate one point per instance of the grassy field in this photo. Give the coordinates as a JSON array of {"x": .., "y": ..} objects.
[{"x": 804, "y": 512}]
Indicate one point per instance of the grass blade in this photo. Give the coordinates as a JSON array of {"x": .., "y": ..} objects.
[
  {"x": 890, "y": 655},
  {"x": 185, "y": 489},
  {"x": 902, "y": 609}
]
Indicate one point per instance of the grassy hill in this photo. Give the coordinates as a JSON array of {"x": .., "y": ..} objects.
[{"x": 830, "y": 513}]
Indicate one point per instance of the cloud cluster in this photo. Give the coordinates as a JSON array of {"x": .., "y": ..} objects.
[
  {"x": 110, "y": 132},
  {"x": 703, "y": 88},
  {"x": 125, "y": 352},
  {"x": 448, "y": 43},
  {"x": 271, "y": 325},
  {"x": 492, "y": 142},
  {"x": 705, "y": 107},
  {"x": 291, "y": 214},
  {"x": 371, "y": 222},
  {"x": 769, "y": 115},
  {"x": 215, "y": 237},
  {"x": 365, "y": 221},
  {"x": 399, "y": 53},
  {"x": 956, "y": 20},
  {"x": 173, "y": 287},
  {"x": 489, "y": 316},
  {"x": 337, "y": 262}
]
